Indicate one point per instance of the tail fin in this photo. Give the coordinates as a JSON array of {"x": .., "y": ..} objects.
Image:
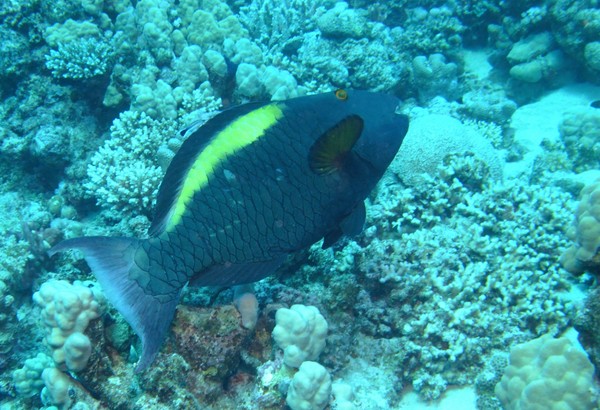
[{"x": 113, "y": 264}]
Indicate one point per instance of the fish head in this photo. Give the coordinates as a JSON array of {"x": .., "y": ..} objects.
[
  {"x": 383, "y": 131},
  {"x": 362, "y": 133}
]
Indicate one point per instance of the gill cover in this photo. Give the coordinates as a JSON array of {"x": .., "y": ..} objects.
[{"x": 330, "y": 151}]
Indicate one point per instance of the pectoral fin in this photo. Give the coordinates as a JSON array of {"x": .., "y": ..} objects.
[{"x": 351, "y": 225}]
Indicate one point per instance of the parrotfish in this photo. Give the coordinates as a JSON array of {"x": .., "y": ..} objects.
[{"x": 249, "y": 187}]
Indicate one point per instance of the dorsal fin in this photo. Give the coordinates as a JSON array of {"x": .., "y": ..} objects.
[{"x": 199, "y": 137}]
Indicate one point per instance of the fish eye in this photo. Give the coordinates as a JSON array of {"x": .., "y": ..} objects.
[{"x": 341, "y": 94}]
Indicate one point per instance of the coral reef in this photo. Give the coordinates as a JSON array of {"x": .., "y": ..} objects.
[
  {"x": 543, "y": 46},
  {"x": 214, "y": 351},
  {"x": 26, "y": 230},
  {"x": 431, "y": 30},
  {"x": 576, "y": 29},
  {"x": 67, "y": 310},
  {"x": 310, "y": 388},
  {"x": 546, "y": 372},
  {"x": 584, "y": 255},
  {"x": 444, "y": 264},
  {"x": 431, "y": 138},
  {"x": 486, "y": 381},
  {"x": 44, "y": 123},
  {"x": 457, "y": 260},
  {"x": 580, "y": 132},
  {"x": 338, "y": 70},
  {"x": 14, "y": 54},
  {"x": 82, "y": 59},
  {"x": 301, "y": 333},
  {"x": 587, "y": 323}
]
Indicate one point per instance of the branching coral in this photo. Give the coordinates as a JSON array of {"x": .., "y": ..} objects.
[
  {"x": 79, "y": 59},
  {"x": 123, "y": 175},
  {"x": 278, "y": 26},
  {"x": 454, "y": 268}
]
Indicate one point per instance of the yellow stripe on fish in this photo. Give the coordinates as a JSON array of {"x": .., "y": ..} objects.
[{"x": 240, "y": 133}]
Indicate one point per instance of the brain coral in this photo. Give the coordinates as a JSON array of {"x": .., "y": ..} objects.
[{"x": 431, "y": 138}]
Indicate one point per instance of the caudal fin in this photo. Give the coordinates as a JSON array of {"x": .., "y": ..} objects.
[{"x": 112, "y": 262}]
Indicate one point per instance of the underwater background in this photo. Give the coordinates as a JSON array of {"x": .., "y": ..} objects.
[{"x": 472, "y": 286}]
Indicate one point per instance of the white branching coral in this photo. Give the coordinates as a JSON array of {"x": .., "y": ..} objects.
[
  {"x": 79, "y": 59},
  {"x": 124, "y": 175}
]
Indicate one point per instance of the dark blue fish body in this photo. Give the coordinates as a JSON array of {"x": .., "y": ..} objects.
[{"x": 252, "y": 185}]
